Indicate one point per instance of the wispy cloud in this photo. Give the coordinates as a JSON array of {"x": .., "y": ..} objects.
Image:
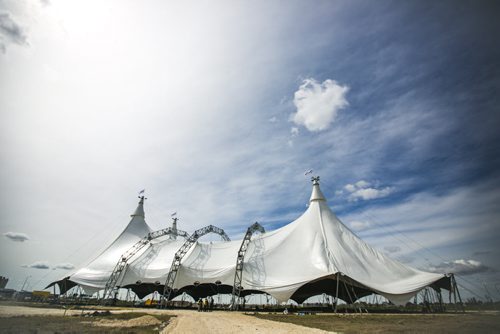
[
  {"x": 318, "y": 103},
  {"x": 16, "y": 236},
  {"x": 460, "y": 267},
  {"x": 65, "y": 266},
  {"x": 359, "y": 226},
  {"x": 425, "y": 135},
  {"x": 11, "y": 31},
  {"x": 479, "y": 253},
  {"x": 37, "y": 265},
  {"x": 392, "y": 249},
  {"x": 425, "y": 222}
]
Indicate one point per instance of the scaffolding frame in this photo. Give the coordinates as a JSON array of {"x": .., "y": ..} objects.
[
  {"x": 111, "y": 287},
  {"x": 238, "y": 275},
  {"x": 176, "y": 262}
]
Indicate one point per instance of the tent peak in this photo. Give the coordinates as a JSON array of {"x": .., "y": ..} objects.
[
  {"x": 316, "y": 194},
  {"x": 140, "y": 208}
]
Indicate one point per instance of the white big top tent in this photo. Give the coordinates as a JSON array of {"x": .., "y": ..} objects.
[{"x": 299, "y": 260}]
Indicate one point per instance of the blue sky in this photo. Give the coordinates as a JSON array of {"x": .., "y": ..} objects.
[{"x": 217, "y": 109}]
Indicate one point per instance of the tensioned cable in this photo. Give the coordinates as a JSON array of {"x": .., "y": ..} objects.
[
  {"x": 99, "y": 232},
  {"x": 422, "y": 247}
]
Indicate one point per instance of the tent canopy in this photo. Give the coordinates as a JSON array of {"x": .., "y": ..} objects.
[{"x": 299, "y": 260}]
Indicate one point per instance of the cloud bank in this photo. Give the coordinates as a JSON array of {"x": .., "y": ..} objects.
[
  {"x": 318, "y": 103},
  {"x": 16, "y": 236},
  {"x": 460, "y": 267}
]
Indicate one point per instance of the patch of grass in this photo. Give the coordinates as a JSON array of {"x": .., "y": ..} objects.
[
  {"x": 74, "y": 324},
  {"x": 410, "y": 323}
]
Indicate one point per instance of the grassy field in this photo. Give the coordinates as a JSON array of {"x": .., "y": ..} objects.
[
  {"x": 473, "y": 322},
  {"x": 113, "y": 323}
]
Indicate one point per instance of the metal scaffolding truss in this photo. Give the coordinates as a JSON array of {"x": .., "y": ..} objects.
[
  {"x": 172, "y": 274},
  {"x": 111, "y": 287},
  {"x": 238, "y": 275}
]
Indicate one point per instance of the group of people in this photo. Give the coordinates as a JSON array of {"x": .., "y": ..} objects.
[{"x": 205, "y": 304}]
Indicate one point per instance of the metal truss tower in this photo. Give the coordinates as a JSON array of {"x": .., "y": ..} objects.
[
  {"x": 238, "y": 275},
  {"x": 176, "y": 263},
  {"x": 111, "y": 287}
]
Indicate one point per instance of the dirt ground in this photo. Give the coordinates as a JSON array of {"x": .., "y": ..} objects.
[
  {"x": 20, "y": 319},
  {"x": 131, "y": 322},
  {"x": 230, "y": 322},
  {"x": 471, "y": 322}
]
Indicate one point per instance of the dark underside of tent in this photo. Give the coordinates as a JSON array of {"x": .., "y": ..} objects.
[
  {"x": 348, "y": 290},
  {"x": 64, "y": 285}
]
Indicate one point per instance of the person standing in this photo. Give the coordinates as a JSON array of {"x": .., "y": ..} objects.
[
  {"x": 205, "y": 305},
  {"x": 211, "y": 303},
  {"x": 200, "y": 304}
]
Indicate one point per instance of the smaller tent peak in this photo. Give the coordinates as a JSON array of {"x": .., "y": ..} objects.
[
  {"x": 316, "y": 194},
  {"x": 174, "y": 228},
  {"x": 140, "y": 208}
]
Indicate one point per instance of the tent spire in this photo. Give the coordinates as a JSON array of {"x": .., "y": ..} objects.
[
  {"x": 174, "y": 228},
  {"x": 140, "y": 208},
  {"x": 316, "y": 195},
  {"x": 315, "y": 180}
]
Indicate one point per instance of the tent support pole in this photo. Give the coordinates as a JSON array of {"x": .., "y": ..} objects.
[
  {"x": 440, "y": 296},
  {"x": 356, "y": 296},
  {"x": 349, "y": 294},
  {"x": 337, "y": 275},
  {"x": 449, "y": 292},
  {"x": 457, "y": 293}
]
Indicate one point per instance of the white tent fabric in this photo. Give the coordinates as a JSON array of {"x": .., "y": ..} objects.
[
  {"x": 93, "y": 276},
  {"x": 315, "y": 246},
  {"x": 152, "y": 265}
]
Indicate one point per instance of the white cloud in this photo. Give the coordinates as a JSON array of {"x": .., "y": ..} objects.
[
  {"x": 362, "y": 184},
  {"x": 370, "y": 193},
  {"x": 16, "y": 236},
  {"x": 461, "y": 267},
  {"x": 272, "y": 119},
  {"x": 318, "y": 103},
  {"x": 294, "y": 131},
  {"x": 38, "y": 265},
  {"x": 360, "y": 225},
  {"x": 66, "y": 266},
  {"x": 392, "y": 249},
  {"x": 361, "y": 190},
  {"x": 350, "y": 188}
]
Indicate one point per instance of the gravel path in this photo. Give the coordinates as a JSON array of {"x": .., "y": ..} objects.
[
  {"x": 229, "y": 322},
  {"x": 185, "y": 321}
]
